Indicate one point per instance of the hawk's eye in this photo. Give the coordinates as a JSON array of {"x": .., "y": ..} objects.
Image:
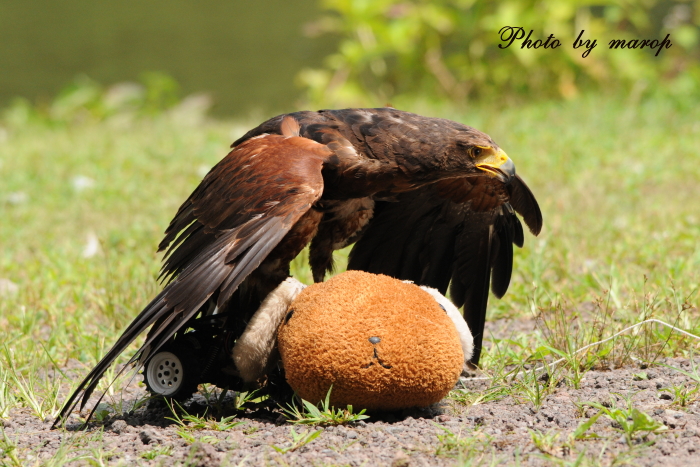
[{"x": 476, "y": 152}]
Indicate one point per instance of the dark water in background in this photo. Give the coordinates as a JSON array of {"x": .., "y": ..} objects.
[{"x": 245, "y": 53}]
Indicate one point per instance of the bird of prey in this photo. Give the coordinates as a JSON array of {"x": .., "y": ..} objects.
[{"x": 424, "y": 199}]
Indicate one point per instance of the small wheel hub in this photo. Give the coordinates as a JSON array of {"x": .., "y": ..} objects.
[{"x": 165, "y": 373}]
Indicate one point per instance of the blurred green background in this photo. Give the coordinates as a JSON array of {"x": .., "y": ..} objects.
[
  {"x": 448, "y": 50},
  {"x": 273, "y": 56},
  {"x": 245, "y": 54}
]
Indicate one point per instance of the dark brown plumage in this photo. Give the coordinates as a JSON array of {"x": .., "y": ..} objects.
[{"x": 426, "y": 199}]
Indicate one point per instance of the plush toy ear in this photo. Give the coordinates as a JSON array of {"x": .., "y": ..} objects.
[
  {"x": 465, "y": 335},
  {"x": 254, "y": 350}
]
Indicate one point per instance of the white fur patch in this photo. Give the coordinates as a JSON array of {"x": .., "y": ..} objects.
[
  {"x": 253, "y": 350},
  {"x": 465, "y": 335}
]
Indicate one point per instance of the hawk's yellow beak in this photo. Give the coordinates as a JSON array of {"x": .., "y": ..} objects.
[{"x": 497, "y": 164}]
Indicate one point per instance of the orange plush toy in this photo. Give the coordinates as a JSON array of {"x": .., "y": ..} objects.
[{"x": 380, "y": 343}]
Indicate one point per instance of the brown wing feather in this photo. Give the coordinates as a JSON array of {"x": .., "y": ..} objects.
[
  {"x": 239, "y": 213},
  {"x": 456, "y": 233},
  {"x": 525, "y": 204}
]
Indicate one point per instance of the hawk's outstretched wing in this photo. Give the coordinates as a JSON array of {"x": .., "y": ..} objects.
[{"x": 240, "y": 212}]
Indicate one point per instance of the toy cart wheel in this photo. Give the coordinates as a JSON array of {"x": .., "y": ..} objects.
[{"x": 170, "y": 375}]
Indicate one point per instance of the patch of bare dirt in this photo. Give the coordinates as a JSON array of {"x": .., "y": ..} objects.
[{"x": 440, "y": 435}]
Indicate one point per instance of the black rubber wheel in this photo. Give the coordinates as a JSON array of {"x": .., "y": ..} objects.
[{"x": 173, "y": 372}]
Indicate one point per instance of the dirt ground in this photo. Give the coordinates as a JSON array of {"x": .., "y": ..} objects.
[{"x": 491, "y": 432}]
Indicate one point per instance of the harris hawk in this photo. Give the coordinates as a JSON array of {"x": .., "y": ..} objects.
[{"x": 424, "y": 199}]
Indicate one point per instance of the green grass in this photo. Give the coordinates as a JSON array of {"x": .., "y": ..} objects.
[
  {"x": 617, "y": 184},
  {"x": 323, "y": 413},
  {"x": 298, "y": 440},
  {"x": 474, "y": 446},
  {"x": 629, "y": 420}
]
